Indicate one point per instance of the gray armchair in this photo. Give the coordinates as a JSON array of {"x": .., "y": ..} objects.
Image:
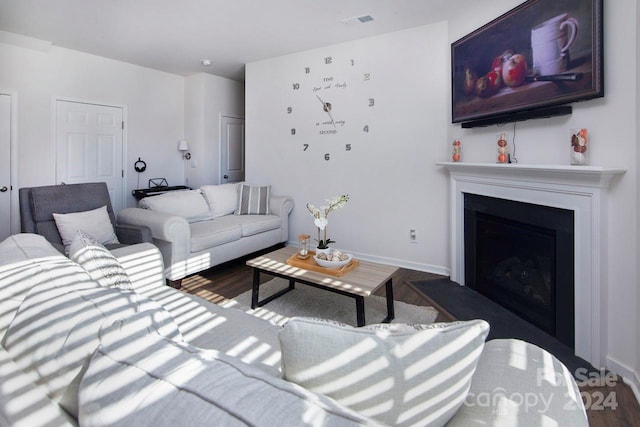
[{"x": 37, "y": 205}]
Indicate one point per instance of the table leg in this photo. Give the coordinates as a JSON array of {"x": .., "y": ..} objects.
[
  {"x": 360, "y": 310},
  {"x": 255, "y": 288},
  {"x": 390, "y": 310}
]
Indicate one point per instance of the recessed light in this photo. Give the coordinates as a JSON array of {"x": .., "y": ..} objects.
[{"x": 206, "y": 62}]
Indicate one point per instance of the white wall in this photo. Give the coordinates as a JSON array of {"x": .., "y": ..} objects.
[
  {"x": 153, "y": 99},
  {"x": 389, "y": 172},
  {"x": 612, "y": 123},
  {"x": 206, "y": 98}
]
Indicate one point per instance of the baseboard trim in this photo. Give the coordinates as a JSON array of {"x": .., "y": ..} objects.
[
  {"x": 427, "y": 268},
  {"x": 629, "y": 376}
]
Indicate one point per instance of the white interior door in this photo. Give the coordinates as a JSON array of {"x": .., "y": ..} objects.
[
  {"x": 232, "y": 149},
  {"x": 89, "y": 146},
  {"x": 5, "y": 166}
]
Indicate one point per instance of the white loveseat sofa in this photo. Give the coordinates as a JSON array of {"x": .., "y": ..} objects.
[
  {"x": 75, "y": 352},
  {"x": 199, "y": 229}
]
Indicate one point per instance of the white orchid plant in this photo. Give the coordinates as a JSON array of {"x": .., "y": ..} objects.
[{"x": 320, "y": 214}]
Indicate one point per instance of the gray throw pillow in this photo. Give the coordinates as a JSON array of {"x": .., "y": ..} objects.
[{"x": 253, "y": 200}]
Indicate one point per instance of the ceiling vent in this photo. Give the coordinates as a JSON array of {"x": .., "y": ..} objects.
[{"x": 358, "y": 20}]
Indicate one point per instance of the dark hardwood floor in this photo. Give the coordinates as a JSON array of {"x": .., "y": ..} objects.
[{"x": 612, "y": 404}]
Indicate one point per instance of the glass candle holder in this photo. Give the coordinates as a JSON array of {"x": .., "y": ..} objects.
[
  {"x": 304, "y": 245},
  {"x": 456, "y": 154},
  {"x": 579, "y": 147},
  {"x": 503, "y": 148}
]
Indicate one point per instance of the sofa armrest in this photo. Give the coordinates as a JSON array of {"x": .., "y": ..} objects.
[
  {"x": 516, "y": 380},
  {"x": 143, "y": 264},
  {"x": 280, "y": 205},
  {"x": 132, "y": 234},
  {"x": 169, "y": 228},
  {"x": 171, "y": 233}
]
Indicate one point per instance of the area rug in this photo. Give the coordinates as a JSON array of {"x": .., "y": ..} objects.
[{"x": 312, "y": 302}]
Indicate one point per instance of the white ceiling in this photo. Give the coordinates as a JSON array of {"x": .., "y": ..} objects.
[{"x": 175, "y": 35}]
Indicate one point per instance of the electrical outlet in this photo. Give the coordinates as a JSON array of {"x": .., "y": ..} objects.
[
  {"x": 413, "y": 236},
  {"x": 194, "y": 163}
]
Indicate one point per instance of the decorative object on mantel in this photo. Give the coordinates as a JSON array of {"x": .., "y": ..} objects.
[
  {"x": 457, "y": 151},
  {"x": 503, "y": 148},
  {"x": 579, "y": 153},
  {"x": 321, "y": 218},
  {"x": 304, "y": 241}
]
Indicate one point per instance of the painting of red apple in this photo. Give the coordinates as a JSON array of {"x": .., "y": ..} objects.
[{"x": 493, "y": 68}]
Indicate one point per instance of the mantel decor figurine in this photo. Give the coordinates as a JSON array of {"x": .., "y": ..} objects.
[
  {"x": 456, "y": 156},
  {"x": 579, "y": 152}
]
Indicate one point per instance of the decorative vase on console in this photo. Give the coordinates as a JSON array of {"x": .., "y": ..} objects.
[{"x": 321, "y": 220}]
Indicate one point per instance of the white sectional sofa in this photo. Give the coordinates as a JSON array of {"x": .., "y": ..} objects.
[
  {"x": 199, "y": 229},
  {"x": 77, "y": 352}
]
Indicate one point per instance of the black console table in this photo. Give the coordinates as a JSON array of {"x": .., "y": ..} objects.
[{"x": 155, "y": 191}]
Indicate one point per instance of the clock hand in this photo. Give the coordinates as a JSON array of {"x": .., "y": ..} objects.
[{"x": 327, "y": 108}]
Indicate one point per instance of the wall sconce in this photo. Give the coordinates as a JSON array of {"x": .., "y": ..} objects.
[{"x": 183, "y": 147}]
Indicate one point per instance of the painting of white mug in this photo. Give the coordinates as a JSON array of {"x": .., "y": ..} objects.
[{"x": 550, "y": 43}]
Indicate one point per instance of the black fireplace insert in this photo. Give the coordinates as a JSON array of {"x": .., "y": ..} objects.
[{"x": 521, "y": 256}]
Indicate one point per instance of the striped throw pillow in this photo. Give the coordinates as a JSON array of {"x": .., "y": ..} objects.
[{"x": 253, "y": 200}]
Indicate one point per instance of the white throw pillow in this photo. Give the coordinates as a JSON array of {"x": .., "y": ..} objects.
[
  {"x": 189, "y": 204},
  {"x": 56, "y": 328},
  {"x": 253, "y": 200},
  {"x": 154, "y": 381},
  {"x": 95, "y": 222},
  {"x": 101, "y": 265},
  {"x": 398, "y": 374},
  {"x": 222, "y": 199}
]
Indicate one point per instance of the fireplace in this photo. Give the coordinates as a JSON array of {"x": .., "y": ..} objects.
[
  {"x": 580, "y": 189},
  {"x": 521, "y": 256}
]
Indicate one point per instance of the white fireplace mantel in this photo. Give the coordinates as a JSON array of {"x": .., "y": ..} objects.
[{"x": 582, "y": 189}]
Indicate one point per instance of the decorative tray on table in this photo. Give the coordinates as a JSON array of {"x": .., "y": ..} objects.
[{"x": 311, "y": 264}]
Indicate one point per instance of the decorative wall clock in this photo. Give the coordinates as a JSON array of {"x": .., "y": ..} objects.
[{"x": 331, "y": 106}]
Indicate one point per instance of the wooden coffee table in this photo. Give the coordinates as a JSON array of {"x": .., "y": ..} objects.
[{"x": 358, "y": 283}]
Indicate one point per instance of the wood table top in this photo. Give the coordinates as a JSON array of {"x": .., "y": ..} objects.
[{"x": 363, "y": 280}]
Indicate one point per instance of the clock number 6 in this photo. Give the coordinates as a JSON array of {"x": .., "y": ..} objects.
[{"x": 326, "y": 157}]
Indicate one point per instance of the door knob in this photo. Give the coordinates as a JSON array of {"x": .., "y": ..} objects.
[{"x": 3, "y": 189}]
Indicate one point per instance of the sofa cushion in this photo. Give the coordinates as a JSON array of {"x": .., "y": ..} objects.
[
  {"x": 212, "y": 233},
  {"x": 55, "y": 329},
  {"x": 222, "y": 199},
  {"x": 21, "y": 259},
  {"x": 170, "y": 383},
  {"x": 24, "y": 403},
  {"x": 189, "y": 204},
  {"x": 101, "y": 265},
  {"x": 398, "y": 374},
  {"x": 253, "y": 200},
  {"x": 252, "y": 224},
  {"x": 95, "y": 222}
]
